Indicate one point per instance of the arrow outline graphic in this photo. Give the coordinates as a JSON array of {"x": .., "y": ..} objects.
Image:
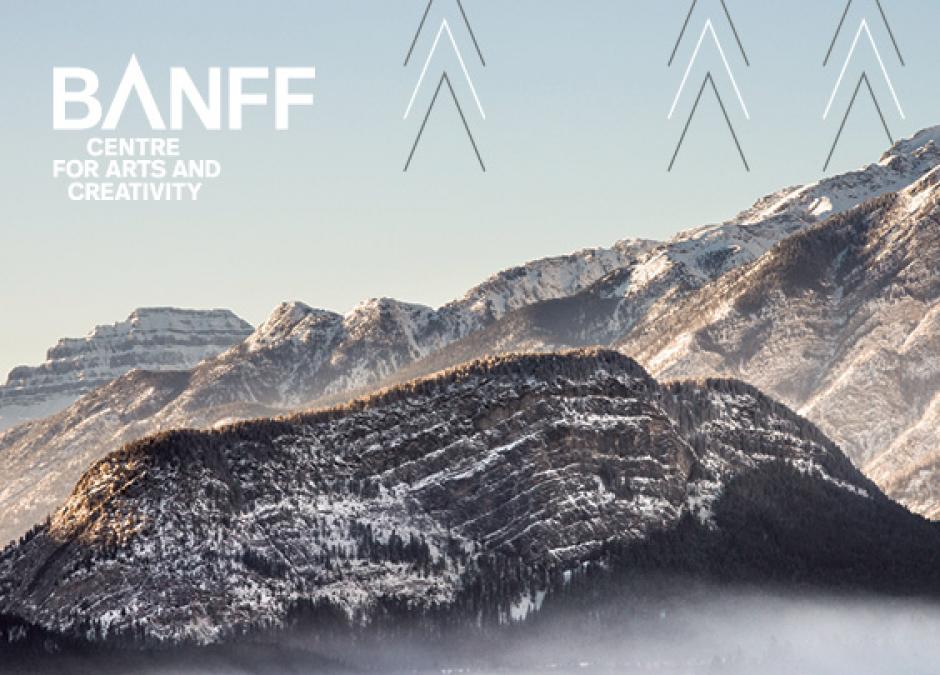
[
  {"x": 685, "y": 26},
  {"x": 424, "y": 18},
  {"x": 709, "y": 80},
  {"x": 445, "y": 78},
  {"x": 884, "y": 17},
  {"x": 863, "y": 26},
  {"x": 424, "y": 71},
  {"x": 863, "y": 79},
  {"x": 709, "y": 27}
]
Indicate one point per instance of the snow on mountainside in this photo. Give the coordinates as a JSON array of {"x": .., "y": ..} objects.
[
  {"x": 297, "y": 355},
  {"x": 652, "y": 285},
  {"x": 150, "y": 339},
  {"x": 476, "y": 489},
  {"x": 543, "y": 280},
  {"x": 696, "y": 257},
  {"x": 841, "y": 322},
  {"x": 910, "y": 468}
]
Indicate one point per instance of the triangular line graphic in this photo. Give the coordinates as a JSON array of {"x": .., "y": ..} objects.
[
  {"x": 698, "y": 99},
  {"x": 427, "y": 63},
  {"x": 427, "y": 116},
  {"x": 863, "y": 79},
  {"x": 884, "y": 71},
  {"x": 708, "y": 28},
  {"x": 685, "y": 26},
  {"x": 845, "y": 14},
  {"x": 424, "y": 19}
]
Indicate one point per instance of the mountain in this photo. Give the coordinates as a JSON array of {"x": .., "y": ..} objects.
[
  {"x": 858, "y": 359},
  {"x": 841, "y": 322},
  {"x": 481, "y": 493},
  {"x": 150, "y": 339},
  {"x": 649, "y": 288},
  {"x": 303, "y": 356},
  {"x": 299, "y": 354}
]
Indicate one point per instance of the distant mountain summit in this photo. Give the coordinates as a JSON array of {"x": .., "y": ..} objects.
[
  {"x": 480, "y": 494},
  {"x": 150, "y": 339}
]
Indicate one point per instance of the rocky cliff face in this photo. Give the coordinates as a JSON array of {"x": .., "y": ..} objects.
[
  {"x": 840, "y": 322},
  {"x": 150, "y": 339},
  {"x": 476, "y": 489}
]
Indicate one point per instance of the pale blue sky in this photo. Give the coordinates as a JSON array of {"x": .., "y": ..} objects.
[{"x": 576, "y": 141}]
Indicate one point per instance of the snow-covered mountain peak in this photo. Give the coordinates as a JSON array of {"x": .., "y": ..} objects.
[
  {"x": 546, "y": 279},
  {"x": 386, "y": 315},
  {"x": 704, "y": 253},
  {"x": 924, "y": 143},
  {"x": 923, "y": 193},
  {"x": 292, "y": 322},
  {"x": 838, "y": 321},
  {"x": 143, "y": 325},
  {"x": 376, "y": 306},
  {"x": 905, "y": 162}
]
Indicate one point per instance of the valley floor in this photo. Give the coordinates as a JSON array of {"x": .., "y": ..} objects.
[{"x": 689, "y": 630}]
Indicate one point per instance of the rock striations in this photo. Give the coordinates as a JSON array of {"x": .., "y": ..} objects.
[
  {"x": 150, "y": 339},
  {"x": 473, "y": 491}
]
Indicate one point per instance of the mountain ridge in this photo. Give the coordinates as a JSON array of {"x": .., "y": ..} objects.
[
  {"x": 302, "y": 356},
  {"x": 472, "y": 491}
]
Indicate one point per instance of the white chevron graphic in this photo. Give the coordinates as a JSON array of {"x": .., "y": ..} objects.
[
  {"x": 709, "y": 28},
  {"x": 863, "y": 27},
  {"x": 424, "y": 71}
]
